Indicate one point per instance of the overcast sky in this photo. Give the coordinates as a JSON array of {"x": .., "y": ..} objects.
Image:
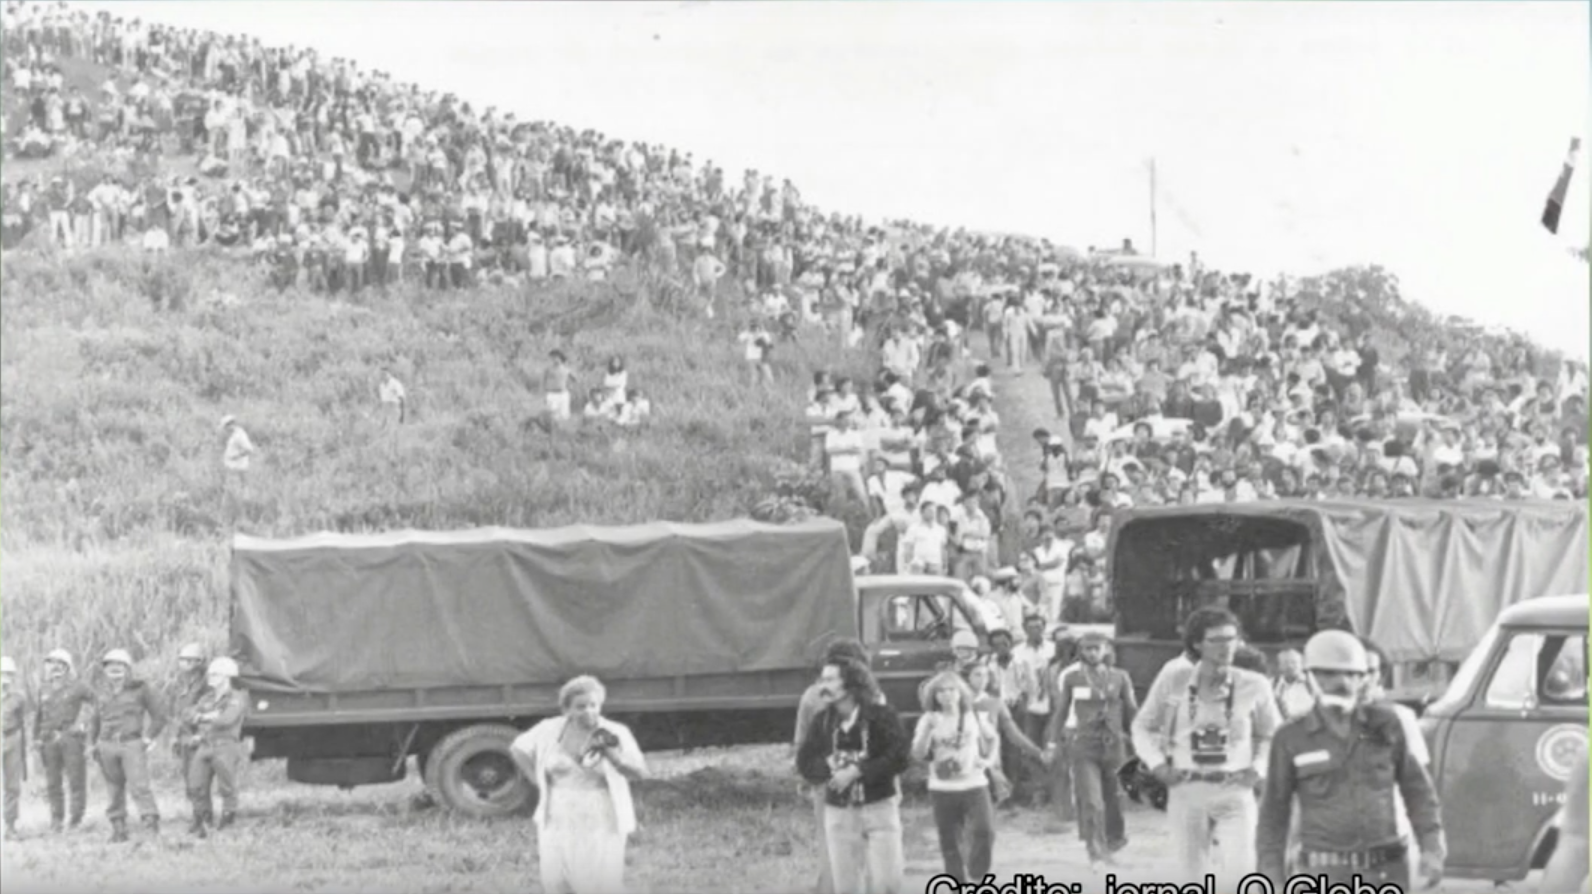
[{"x": 1288, "y": 136}]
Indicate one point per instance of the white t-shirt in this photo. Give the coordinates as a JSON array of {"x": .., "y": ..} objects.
[{"x": 845, "y": 450}]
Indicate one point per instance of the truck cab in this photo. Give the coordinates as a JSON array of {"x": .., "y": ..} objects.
[
  {"x": 906, "y": 621},
  {"x": 1506, "y": 735}
]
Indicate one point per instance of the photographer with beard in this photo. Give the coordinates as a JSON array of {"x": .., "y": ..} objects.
[
  {"x": 814, "y": 701},
  {"x": 1346, "y": 762},
  {"x": 857, "y": 749}
]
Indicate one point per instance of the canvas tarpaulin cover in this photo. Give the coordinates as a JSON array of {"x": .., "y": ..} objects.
[
  {"x": 341, "y": 613},
  {"x": 1424, "y": 579}
]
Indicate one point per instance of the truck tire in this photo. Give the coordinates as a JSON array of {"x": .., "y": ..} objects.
[{"x": 473, "y": 774}]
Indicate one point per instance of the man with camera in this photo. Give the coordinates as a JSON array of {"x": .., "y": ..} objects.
[
  {"x": 857, "y": 749},
  {"x": 1205, "y": 732},
  {"x": 1346, "y": 761}
]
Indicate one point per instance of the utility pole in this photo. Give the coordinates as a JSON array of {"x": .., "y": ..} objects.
[{"x": 1153, "y": 245}]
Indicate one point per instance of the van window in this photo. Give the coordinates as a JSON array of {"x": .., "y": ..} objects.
[
  {"x": 1539, "y": 669},
  {"x": 920, "y": 618}
]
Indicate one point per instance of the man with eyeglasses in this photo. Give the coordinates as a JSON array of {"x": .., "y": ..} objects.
[
  {"x": 1205, "y": 732},
  {"x": 1347, "y": 762}
]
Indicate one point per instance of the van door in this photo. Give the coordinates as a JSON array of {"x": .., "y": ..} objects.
[
  {"x": 914, "y": 640},
  {"x": 1508, "y": 754}
]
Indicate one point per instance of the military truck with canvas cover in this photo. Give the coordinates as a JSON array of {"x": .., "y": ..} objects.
[
  {"x": 1424, "y": 579},
  {"x": 359, "y": 651}
]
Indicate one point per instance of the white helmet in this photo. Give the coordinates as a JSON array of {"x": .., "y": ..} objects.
[
  {"x": 118, "y": 656},
  {"x": 192, "y": 650},
  {"x": 7, "y": 665},
  {"x": 1336, "y": 650},
  {"x": 224, "y": 666},
  {"x": 60, "y": 656}
]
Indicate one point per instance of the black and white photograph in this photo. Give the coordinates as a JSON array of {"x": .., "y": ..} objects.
[{"x": 795, "y": 447}]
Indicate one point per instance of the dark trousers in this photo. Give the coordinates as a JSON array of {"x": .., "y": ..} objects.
[
  {"x": 65, "y": 768},
  {"x": 1094, "y": 782},
  {"x": 13, "y": 770},
  {"x": 126, "y": 769},
  {"x": 218, "y": 762},
  {"x": 1034, "y": 788},
  {"x": 966, "y": 823}
]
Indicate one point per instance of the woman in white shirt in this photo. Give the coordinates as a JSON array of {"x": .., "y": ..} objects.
[
  {"x": 958, "y": 747},
  {"x": 582, "y": 764}
]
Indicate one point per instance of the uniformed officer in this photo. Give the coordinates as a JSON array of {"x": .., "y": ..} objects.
[
  {"x": 13, "y": 717},
  {"x": 60, "y": 726},
  {"x": 120, "y": 742},
  {"x": 1343, "y": 761},
  {"x": 219, "y": 719},
  {"x": 1101, "y": 700},
  {"x": 189, "y": 689}
]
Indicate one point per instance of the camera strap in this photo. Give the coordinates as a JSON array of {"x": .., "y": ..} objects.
[{"x": 1194, "y": 697}]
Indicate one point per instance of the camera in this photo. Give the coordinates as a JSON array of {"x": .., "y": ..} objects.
[
  {"x": 1209, "y": 745},
  {"x": 600, "y": 741},
  {"x": 950, "y": 768}
]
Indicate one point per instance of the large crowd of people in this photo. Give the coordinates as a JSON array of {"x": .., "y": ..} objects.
[{"x": 1169, "y": 384}]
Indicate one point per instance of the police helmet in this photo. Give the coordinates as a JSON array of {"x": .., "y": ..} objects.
[
  {"x": 1336, "y": 650},
  {"x": 224, "y": 666},
  {"x": 118, "y": 656},
  {"x": 192, "y": 651}
]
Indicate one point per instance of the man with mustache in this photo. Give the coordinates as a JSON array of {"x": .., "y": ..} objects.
[
  {"x": 1344, "y": 762},
  {"x": 60, "y": 725},
  {"x": 857, "y": 750}
]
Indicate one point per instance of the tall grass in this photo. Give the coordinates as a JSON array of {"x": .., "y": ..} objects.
[{"x": 115, "y": 515}]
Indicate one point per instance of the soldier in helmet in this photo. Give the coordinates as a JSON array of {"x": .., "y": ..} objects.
[
  {"x": 60, "y": 727},
  {"x": 13, "y": 714},
  {"x": 219, "y": 718},
  {"x": 190, "y": 687},
  {"x": 119, "y": 739},
  {"x": 1344, "y": 761}
]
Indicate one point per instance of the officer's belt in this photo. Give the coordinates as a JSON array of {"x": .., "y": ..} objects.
[
  {"x": 1366, "y": 859},
  {"x": 1215, "y": 777}
]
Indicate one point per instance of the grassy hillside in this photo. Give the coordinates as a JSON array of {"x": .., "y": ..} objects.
[{"x": 115, "y": 518}]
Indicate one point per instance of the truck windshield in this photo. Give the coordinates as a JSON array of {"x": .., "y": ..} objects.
[{"x": 1262, "y": 568}]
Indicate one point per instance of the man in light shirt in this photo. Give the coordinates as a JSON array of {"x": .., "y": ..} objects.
[
  {"x": 394, "y": 395},
  {"x": 1051, "y": 558},
  {"x": 1206, "y": 733},
  {"x": 843, "y": 445},
  {"x": 925, "y": 542},
  {"x": 1294, "y": 695}
]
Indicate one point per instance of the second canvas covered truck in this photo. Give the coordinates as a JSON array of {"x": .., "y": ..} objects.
[{"x": 361, "y": 651}]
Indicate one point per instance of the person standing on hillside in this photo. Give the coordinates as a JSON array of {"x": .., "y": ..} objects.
[
  {"x": 394, "y": 395},
  {"x": 60, "y": 726},
  {"x": 217, "y": 721},
  {"x": 556, "y": 381},
  {"x": 13, "y": 729},
  {"x": 120, "y": 741},
  {"x": 236, "y": 452}
]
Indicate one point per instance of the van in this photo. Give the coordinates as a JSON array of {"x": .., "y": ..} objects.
[{"x": 1506, "y": 735}]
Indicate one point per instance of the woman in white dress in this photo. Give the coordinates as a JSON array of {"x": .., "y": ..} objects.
[{"x": 582, "y": 765}]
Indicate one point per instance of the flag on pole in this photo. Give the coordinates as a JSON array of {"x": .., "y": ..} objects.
[{"x": 1561, "y": 189}]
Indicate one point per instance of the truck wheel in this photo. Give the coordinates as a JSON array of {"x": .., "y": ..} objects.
[{"x": 472, "y": 772}]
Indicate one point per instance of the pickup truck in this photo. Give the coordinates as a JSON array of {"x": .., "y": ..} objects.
[
  {"x": 1421, "y": 578},
  {"x": 1506, "y": 736},
  {"x": 360, "y": 651}
]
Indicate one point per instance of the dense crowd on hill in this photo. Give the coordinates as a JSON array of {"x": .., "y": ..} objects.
[{"x": 1171, "y": 384}]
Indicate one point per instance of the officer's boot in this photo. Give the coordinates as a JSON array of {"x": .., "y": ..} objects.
[
  {"x": 197, "y": 827},
  {"x": 227, "y": 819},
  {"x": 55, "y": 824},
  {"x": 118, "y": 831},
  {"x": 152, "y": 823}
]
